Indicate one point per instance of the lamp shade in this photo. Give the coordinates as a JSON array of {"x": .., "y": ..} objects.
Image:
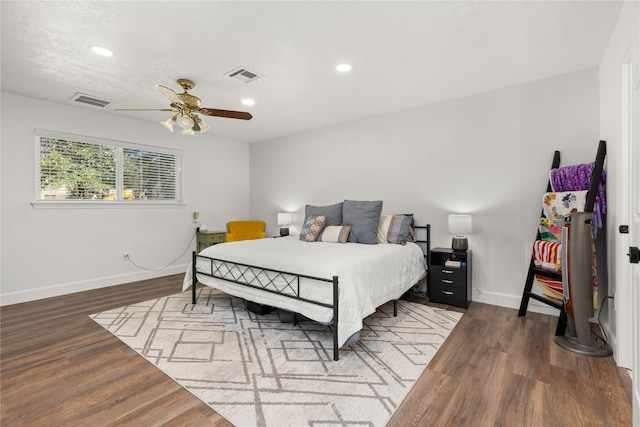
[
  {"x": 169, "y": 123},
  {"x": 285, "y": 218},
  {"x": 204, "y": 126},
  {"x": 186, "y": 122},
  {"x": 460, "y": 224}
]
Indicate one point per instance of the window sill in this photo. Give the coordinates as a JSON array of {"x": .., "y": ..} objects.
[{"x": 105, "y": 204}]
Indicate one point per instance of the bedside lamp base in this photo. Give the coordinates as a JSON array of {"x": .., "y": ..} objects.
[{"x": 459, "y": 243}]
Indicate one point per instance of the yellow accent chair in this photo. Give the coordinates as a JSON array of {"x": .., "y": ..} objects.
[{"x": 245, "y": 230}]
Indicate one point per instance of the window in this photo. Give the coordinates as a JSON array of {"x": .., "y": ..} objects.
[{"x": 80, "y": 168}]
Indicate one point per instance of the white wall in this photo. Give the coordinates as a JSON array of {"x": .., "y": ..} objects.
[
  {"x": 48, "y": 252},
  {"x": 488, "y": 155},
  {"x": 619, "y": 51}
]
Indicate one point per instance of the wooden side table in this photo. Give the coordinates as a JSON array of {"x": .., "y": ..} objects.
[{"x": 207, "y": 238}]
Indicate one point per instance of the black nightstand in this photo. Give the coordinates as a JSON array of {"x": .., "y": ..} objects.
[{"x": 450, "y": 284}]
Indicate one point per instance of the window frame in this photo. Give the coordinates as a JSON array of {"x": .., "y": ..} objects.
[{"x": 38, "y": 202}]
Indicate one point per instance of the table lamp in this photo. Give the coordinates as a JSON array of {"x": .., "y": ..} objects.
[
  {"x": 284, "y": 220},
  {"x": 460, "y": 225}
]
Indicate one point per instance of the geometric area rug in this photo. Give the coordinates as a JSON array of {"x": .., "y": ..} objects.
[{"x": 255, "y": 370}]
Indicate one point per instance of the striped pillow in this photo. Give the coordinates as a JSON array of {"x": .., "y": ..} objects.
[
  {"x": 335, "y": 234},
  {"x": 395, "y": 229}
]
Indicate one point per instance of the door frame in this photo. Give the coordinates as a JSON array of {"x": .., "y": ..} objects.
[
  {"x": 622, "y": 295},
  {"x": 634, "y": 269}
]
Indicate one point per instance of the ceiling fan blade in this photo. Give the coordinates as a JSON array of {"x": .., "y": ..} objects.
[
  {"x": 169, "y": 93},
  {"x": 242, "y": 115},
  {"x": 144, "y": 109}
]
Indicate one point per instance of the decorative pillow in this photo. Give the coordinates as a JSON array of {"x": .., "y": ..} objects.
[
  {"x": 363, "y": 217},
  {"x": 332, "y": 213},
  {"x": 395, "y": 229},
  {"x": 335, "y": 234},
  {"x": 412, "y": 235},
  {"x": 312, "y": 228},
  {"x": 383, "y": 227}
]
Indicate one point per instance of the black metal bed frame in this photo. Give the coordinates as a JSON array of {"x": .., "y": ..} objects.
[{"x": 286, "y": 283}]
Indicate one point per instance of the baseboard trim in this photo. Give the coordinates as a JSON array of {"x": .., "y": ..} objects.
[
  {"x": 86, "y": 285},
  {"x": 512, "y": 301}
]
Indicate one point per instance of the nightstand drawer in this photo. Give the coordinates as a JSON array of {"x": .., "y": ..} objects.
[
  {"x": 216, "y": 238},
  {"x": 208, "y": 238},
  {"x": 449, "y": 275},
  {"x": 452, "y": 295}
]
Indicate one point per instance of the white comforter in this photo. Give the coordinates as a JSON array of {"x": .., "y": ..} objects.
[{"x": 368, "y": 275}]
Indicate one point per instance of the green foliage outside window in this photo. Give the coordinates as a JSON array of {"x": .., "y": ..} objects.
[{"x": 83, "y": 171}]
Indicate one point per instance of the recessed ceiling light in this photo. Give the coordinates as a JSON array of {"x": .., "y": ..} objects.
[
  {"x": 101, "y": 51},
  {"x": 248, "y": 101},
  {"x": 343, "y": 67}
]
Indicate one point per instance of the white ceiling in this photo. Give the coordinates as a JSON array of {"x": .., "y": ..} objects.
[{"x": 403, "y": 54}]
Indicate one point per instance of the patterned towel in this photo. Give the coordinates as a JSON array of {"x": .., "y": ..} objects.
[
  {"x": 551, "y": 229},
  {"x": 547, "y": 255},
  {"x": 551, "y": 288},
  {"x": 557, "y": 205}
]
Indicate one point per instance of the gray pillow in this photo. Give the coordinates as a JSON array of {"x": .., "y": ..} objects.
[
  {"x": 363, "y": 217},
  {"x": 400, "y": 228},
  {"x": 332, "y": 213}
]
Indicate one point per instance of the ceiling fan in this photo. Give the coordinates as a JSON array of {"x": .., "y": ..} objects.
[{"x": 185, "y": 106}]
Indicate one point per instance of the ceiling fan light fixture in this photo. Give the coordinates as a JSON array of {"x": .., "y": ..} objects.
[
  {"x": 203, "y": 126},
  {"x": 169, "y": 123},
  {"x": 185, "y": 109},
  {"x": 186, "y": 122}
]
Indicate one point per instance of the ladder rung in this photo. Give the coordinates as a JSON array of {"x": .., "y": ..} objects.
[
  {"x": 548, "y": 273},
  {"x": 548, "y": 301}
]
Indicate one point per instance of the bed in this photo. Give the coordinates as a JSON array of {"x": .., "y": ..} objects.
[{"x": 333, "y": 284}]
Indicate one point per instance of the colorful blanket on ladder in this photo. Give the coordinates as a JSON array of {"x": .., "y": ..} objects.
[
  {"x": 547, "y": 255},
  {"x": 557, "y": 205},
  {"x": 578, "y": 178},
  {"x": 551, "y": 288}
]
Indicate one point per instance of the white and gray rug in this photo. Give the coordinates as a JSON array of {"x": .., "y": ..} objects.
[{"x": 257, "y": 371}]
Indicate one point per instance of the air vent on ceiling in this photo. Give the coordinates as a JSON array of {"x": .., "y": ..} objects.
[
  {"x": 90, "y": 100},
  {"x": 244, "y": 75}
]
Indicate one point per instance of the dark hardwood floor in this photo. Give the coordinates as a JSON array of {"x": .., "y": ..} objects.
[{"x": 59, "y": 368}]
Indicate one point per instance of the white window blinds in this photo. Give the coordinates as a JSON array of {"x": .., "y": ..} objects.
[{"x": 73, "y": 167}]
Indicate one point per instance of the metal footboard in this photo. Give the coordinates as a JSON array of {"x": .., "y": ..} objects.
[{"x": 278, "y": 282}]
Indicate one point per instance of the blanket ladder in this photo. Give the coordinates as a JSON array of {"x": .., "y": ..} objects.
[{"x": 527, "y": 293}]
